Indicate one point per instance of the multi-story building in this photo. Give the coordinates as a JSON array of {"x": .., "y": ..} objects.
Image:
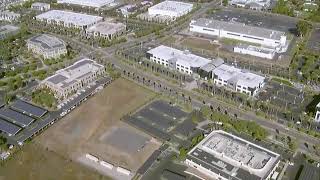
[
  {"x": 317, "y": 117},
  {"x": 69, "y": 80},
  {"x": 237, "y": 79},
  {"x": 171, "y": 9},
  {"x": 241, "y": 32},
  {"x": 106, "y": 30},
  {"x": 224, "y": 156},
  {"x": 8, "y": 30},
  {"x": 47, "y": 46},
  {"x": 9, "y": 16},
  {"x": 88, "y": 3},
  {"x": 40, "y": 6},
  {"x": 183, "y": 61},
  {"x": 69, "y": 19}
]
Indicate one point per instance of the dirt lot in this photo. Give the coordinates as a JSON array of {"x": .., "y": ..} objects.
[
  {"x": 198, "y": 43},
  {"x": 36, "y": 163},
  {"x": 84, "y": 129}
]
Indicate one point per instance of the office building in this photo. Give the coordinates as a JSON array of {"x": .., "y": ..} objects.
[
  {"x": 69, "y": 19},
  {"x": 237, "y": 79},
  {"x": 183, "y": 61},
  {"x": 106, "y": 30},
  {"x": 47, "y": 46},
  {"x": 38, "y": 6},
  {"x": 224, "y": 156},
  {"x": 7, "y": 31},
  {"x": 9, "y": 16},
  {"x": 241, "y": 32},
  {"x": 69, "y": 80}
]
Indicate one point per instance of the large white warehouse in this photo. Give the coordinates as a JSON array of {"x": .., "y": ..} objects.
[
  {"x": 239, "y": 31},
  {"x": 172, "y": 9},
  {"x": 69, "y": 19},
  {"x": 89, "y": 3}
]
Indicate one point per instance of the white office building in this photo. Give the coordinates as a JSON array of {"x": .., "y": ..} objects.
[
  {"x": 241, "y": 32},
  {"x": 262, "y": 52},
  {"x": 69, "y": 19},
  {"x": 237, "y": 79},
  {"x": 38, "y": 6},
  {"x": 8, "y": 30},
  {"x": 69, "y": 80},
  {"x": 317, "y": 117},
  {"x": 224, "y": 156},
  {"x": 9, "y": 16},
  {"x": 106, "y": 30},
  {"x": 170, "y": 9},
  {"x": 88, "y": 3},
  {"x": 183, "y": 61},
  {"x": 47, "y": 46}
]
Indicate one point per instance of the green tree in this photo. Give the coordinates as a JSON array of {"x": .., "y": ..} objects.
[
  {"x": 303, "y": 27},
  {"x": 225, "y": 2},
  {"x": 183, "y": 153}
]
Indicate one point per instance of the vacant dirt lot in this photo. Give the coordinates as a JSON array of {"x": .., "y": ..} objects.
[
  {"x": 83, "y": 130},
  {"x": 36, "y": 163}
]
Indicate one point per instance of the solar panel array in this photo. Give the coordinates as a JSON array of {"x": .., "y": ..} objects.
[
  {"x": 16, "y": 117},
  {"x": 9, "y": 128},
  {"x": 25, "y": 107}
]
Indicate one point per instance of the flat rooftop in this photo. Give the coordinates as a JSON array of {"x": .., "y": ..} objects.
[
  {"x": 231, "y": 73},
  {"x": 70, "y": 17},
  {"x": 256, "y": 48},
  {"x": 173, "y": 6},
  {"x": 47, "y": 41},
  {"x": 72, "y": 74},
  {"x": 90, "y": 3},
  {"x": 233, "y": 157},
  {"x": 106, "y": 27},
  {"x": 8, "y": 28},
  {"x": 179, "y": 56},
  {"x": 240, "y": 28}
]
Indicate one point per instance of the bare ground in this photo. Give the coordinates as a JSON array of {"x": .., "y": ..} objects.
[{"x": 80, "y": 132}]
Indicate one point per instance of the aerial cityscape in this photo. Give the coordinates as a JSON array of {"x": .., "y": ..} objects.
[{"x": 160, "y": 89}]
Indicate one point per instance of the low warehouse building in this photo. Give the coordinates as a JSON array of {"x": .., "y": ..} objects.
[
  {"x": 224, "y": 156},
  {"x": 170, "y": 9},
  {"x": 88, "y": 3}
]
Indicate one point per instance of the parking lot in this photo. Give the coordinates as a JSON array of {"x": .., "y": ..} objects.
[
  {"x": 282, "y": 96},
  {"x": 157, "y": 119},
  {"x": 275, "y": 22},
  {"x": 314, "y": 41}
]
